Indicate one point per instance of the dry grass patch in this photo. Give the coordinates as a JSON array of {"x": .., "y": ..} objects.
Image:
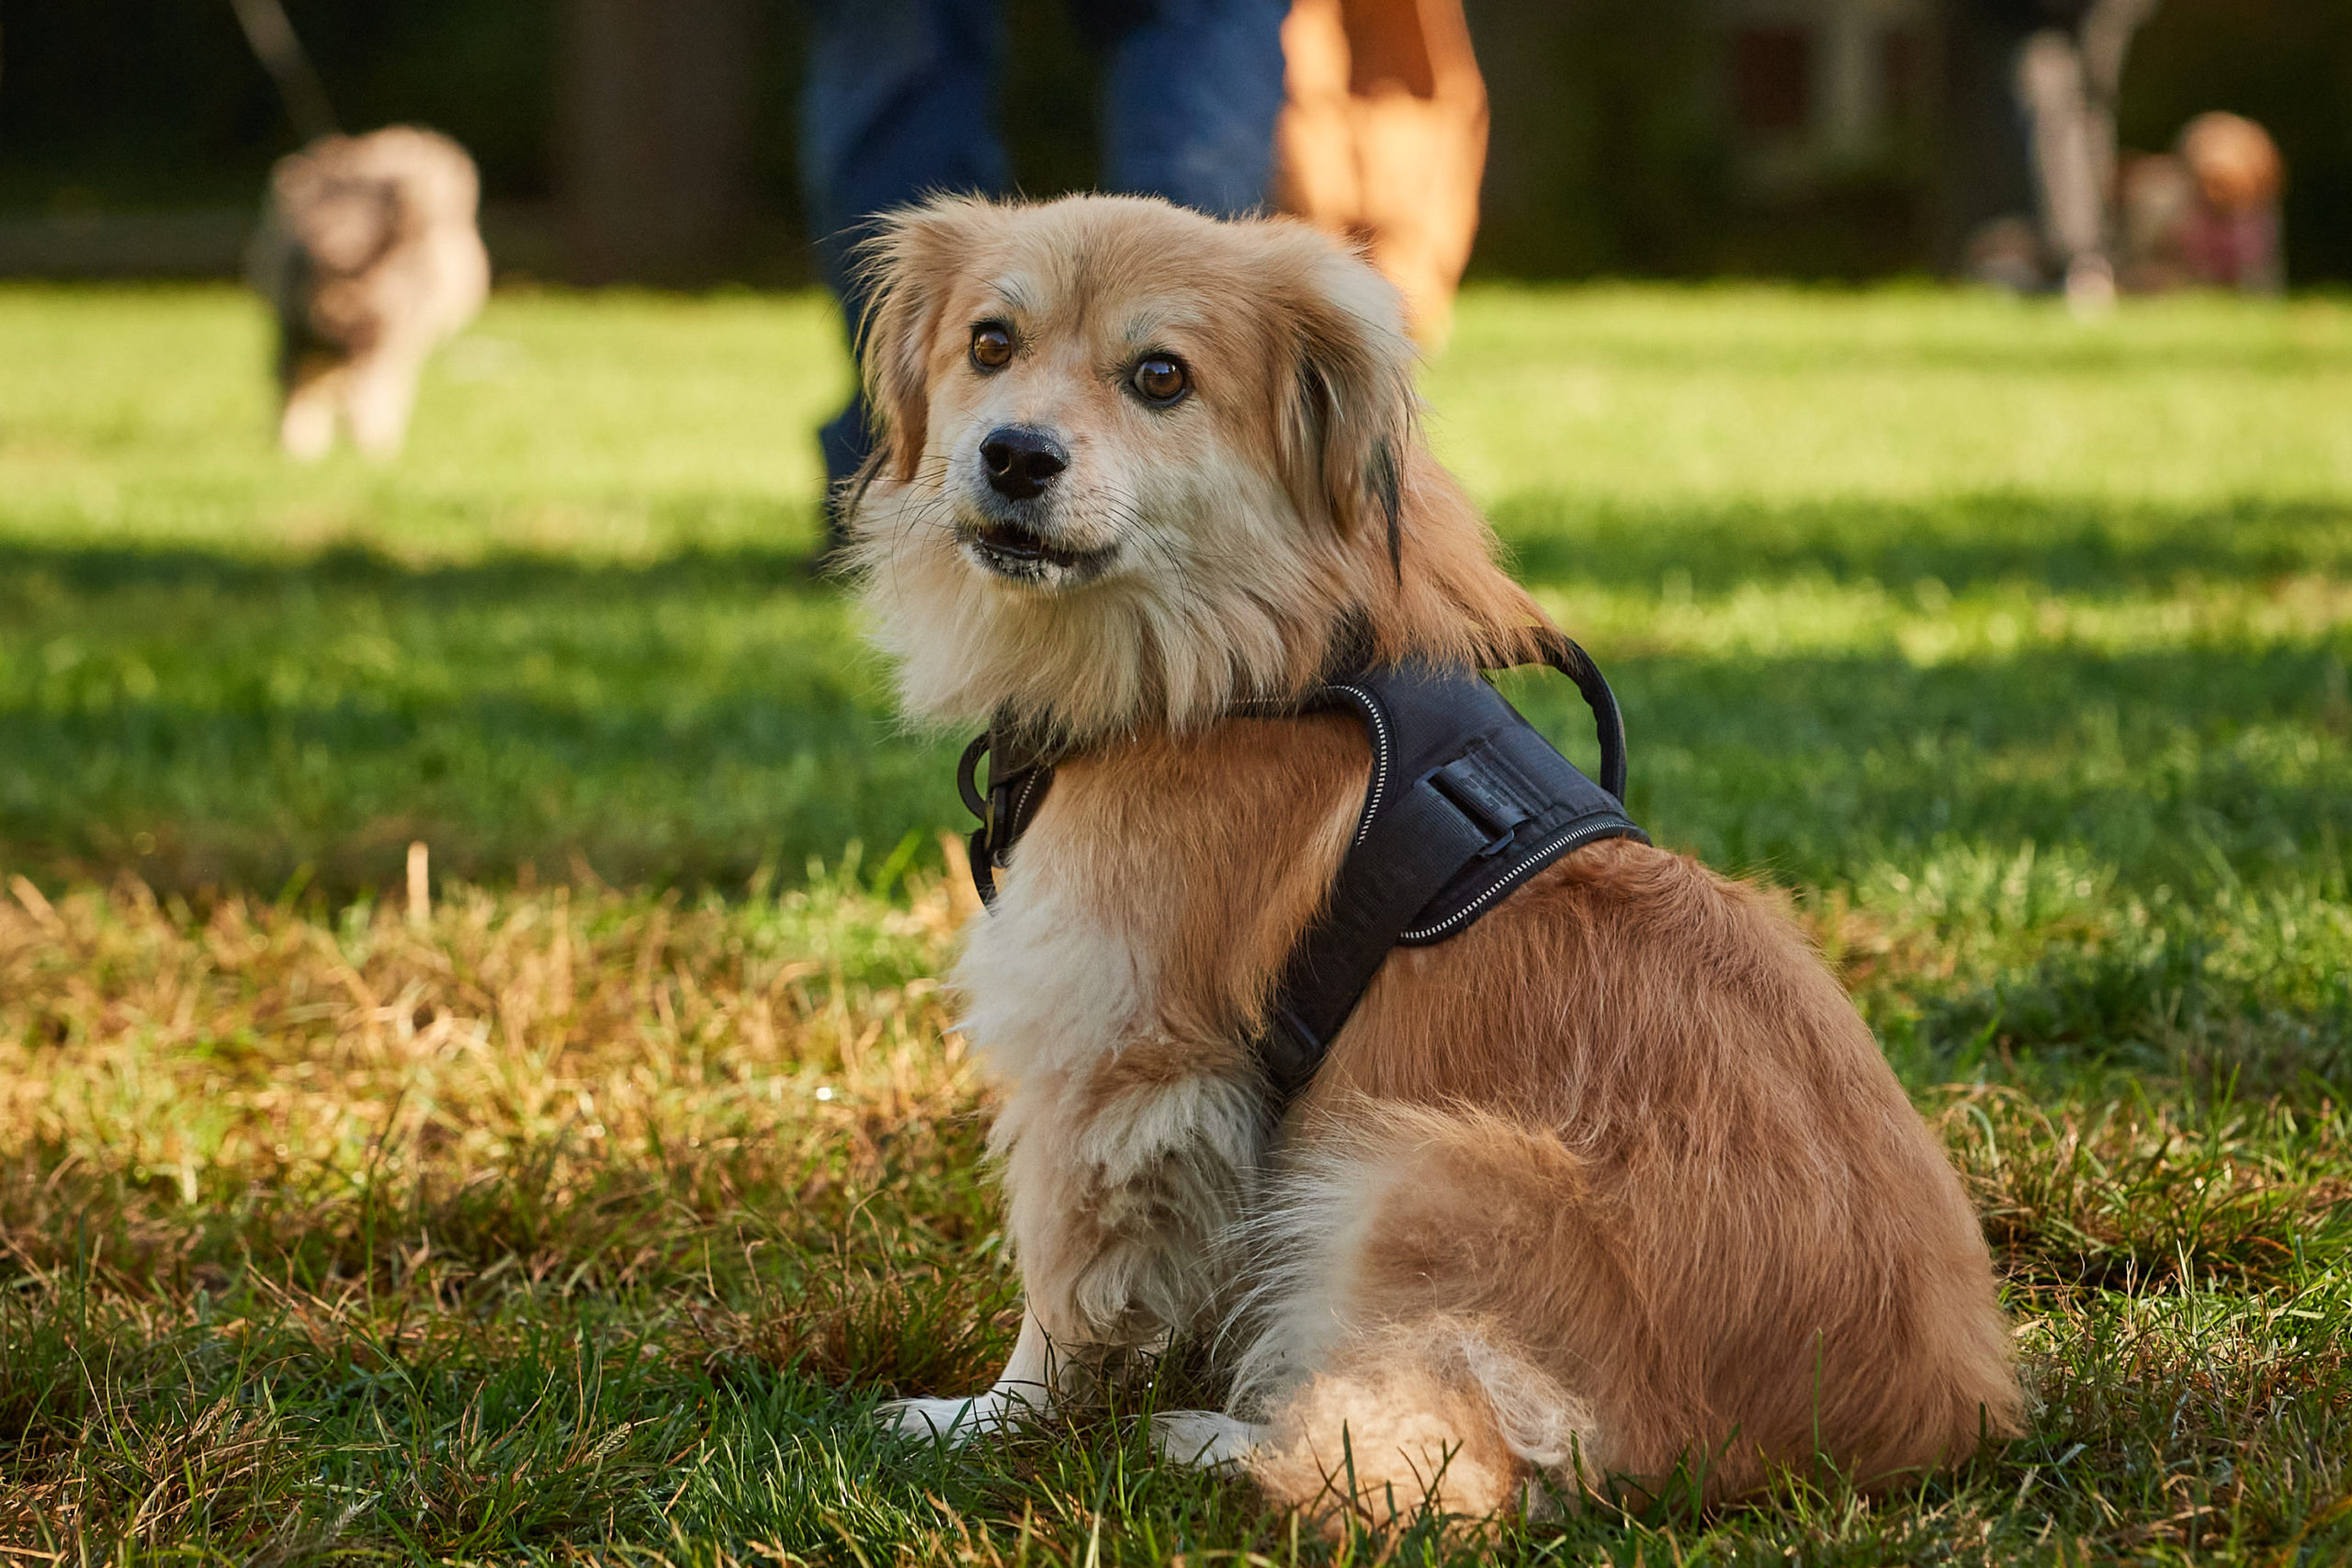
[
  {"x": 569, "y": 1220},
  {"x": 505, "y": 1078}
]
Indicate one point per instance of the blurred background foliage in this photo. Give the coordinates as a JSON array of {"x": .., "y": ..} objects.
[{"x": 1628, "y": 135}]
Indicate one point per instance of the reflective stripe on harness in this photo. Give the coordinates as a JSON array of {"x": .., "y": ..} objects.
[{"x": 1465, "y": 802}]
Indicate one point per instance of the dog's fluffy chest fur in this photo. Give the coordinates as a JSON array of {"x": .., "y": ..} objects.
[{"x": 1112, "y": 990}]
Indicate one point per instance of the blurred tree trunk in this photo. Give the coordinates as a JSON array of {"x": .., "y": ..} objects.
[
  {"x": 1604, "y": 154},
  {"x": 655, "y": 137}
]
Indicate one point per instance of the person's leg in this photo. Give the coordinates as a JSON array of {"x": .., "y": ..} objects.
[
  {"x": 899, "y": 103},
  {"x": 2107, "y": 33},
  {"x": 2065, "y": 160},
  {"x": 2050, "y": 85},
  {"x": 1191, "y": 91}
]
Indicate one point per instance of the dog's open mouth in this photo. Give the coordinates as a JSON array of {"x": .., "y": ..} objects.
[{"x": 1010, "y": 550}]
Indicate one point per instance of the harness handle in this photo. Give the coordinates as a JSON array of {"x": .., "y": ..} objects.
[
  {"x": 1561, "y": 652},
  {"x": 967, "y": 768},
  {"x": 982, "y": 845},
  {"x": 1018, "y": 778}
]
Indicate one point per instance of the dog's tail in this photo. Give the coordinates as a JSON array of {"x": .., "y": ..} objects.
[
  {"x": 1385, "y": 1357},
  {"x": 1466, "y": 1313}
]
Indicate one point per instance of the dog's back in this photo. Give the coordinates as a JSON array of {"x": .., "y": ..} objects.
[{"x": 369, "y": 256}]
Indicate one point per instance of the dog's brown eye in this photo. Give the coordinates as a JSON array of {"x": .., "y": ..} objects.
[
  {"x": 992, "y": 346},
  {"x": 1159, "y": 379}
]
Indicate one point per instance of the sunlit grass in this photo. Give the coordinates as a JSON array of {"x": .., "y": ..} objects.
[{"x": 588, "y": 1214}]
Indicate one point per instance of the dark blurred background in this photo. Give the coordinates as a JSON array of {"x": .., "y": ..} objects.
[{"x": 653, "y": 140}]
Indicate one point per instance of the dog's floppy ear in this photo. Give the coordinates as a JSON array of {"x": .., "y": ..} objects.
[
  {"x": 1347, "y": 418},
  {"x": 909, "y": 264}
]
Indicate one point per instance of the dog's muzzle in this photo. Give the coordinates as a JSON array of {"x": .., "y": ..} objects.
[
  {"x": 1012, "y": 533},
  {"x": 1022, "y": 554}
]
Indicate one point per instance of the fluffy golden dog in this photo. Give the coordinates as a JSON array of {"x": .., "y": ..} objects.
[
  {"x": 370, "y": 255},
  {"x": 1614, "y": 1183}
]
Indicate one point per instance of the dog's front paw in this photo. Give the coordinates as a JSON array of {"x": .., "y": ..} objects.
[
  {"x": 951, "y": 1421},
  {"x": 1205, "y": 1440}
]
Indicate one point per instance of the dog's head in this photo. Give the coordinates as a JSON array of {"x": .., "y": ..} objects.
[
  {"x": 347, "y": 199},
  {"x": 1135, "y": 463}
]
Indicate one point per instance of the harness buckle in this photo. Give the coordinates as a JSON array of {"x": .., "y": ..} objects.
[{"x": 1475, "y": 792}]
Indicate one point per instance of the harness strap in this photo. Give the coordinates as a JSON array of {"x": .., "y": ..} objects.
[
  {"x": 1465, "y": 802},
  {"x": 1397, "y": 861}
]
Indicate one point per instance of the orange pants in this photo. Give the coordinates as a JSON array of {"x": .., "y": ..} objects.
[{"x": 1385, "y": 140}]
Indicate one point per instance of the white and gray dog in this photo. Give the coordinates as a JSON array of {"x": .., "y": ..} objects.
[{"x": 369, "y": 254}]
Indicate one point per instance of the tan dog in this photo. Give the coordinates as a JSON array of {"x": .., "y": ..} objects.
[
  {"x": 1614, "y": 1181},
  {"x": 369, "y": 252}
]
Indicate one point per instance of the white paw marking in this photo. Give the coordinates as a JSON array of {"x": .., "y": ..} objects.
[
  {"x": 1203, "y": 1439},
  {"x": 953, "y": 1421}
]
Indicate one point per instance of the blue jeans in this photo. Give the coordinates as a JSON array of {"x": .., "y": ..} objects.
[{"x": 900, "y": 104}]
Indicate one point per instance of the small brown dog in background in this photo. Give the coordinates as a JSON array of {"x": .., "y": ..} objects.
[
  {"x": 1613, "y": 1184},
  {"x": 368, "y": 252},
  {"x": 2206, "y": 215}
]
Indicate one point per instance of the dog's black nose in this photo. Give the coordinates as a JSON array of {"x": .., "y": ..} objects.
[{"x": 1021, "y": 460}]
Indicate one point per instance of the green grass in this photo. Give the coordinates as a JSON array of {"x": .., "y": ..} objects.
[{"x": 589, "y": 1217}]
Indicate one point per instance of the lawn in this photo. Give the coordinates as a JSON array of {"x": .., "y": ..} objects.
[{"x": 587, "y": 1211}]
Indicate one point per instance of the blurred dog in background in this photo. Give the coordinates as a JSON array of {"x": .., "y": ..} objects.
[
  {"x": 2206, "y": 214},
  {"x": 369, "y": 254}
]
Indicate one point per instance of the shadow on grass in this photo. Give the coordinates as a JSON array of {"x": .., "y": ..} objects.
[
  {"x": 264, "y": 795},
  {"x": 2192, "y": 767},
  {"x": 504, "y": 574},
  {"x": 2085, "y": 544},
  {"x": 2081, "y": 546},
  {"x": 205, "y": 719},
  {"x": 2172, "y": 768}
]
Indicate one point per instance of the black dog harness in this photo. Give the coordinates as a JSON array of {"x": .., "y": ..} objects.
[{"x": 1466, "y": 802}]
